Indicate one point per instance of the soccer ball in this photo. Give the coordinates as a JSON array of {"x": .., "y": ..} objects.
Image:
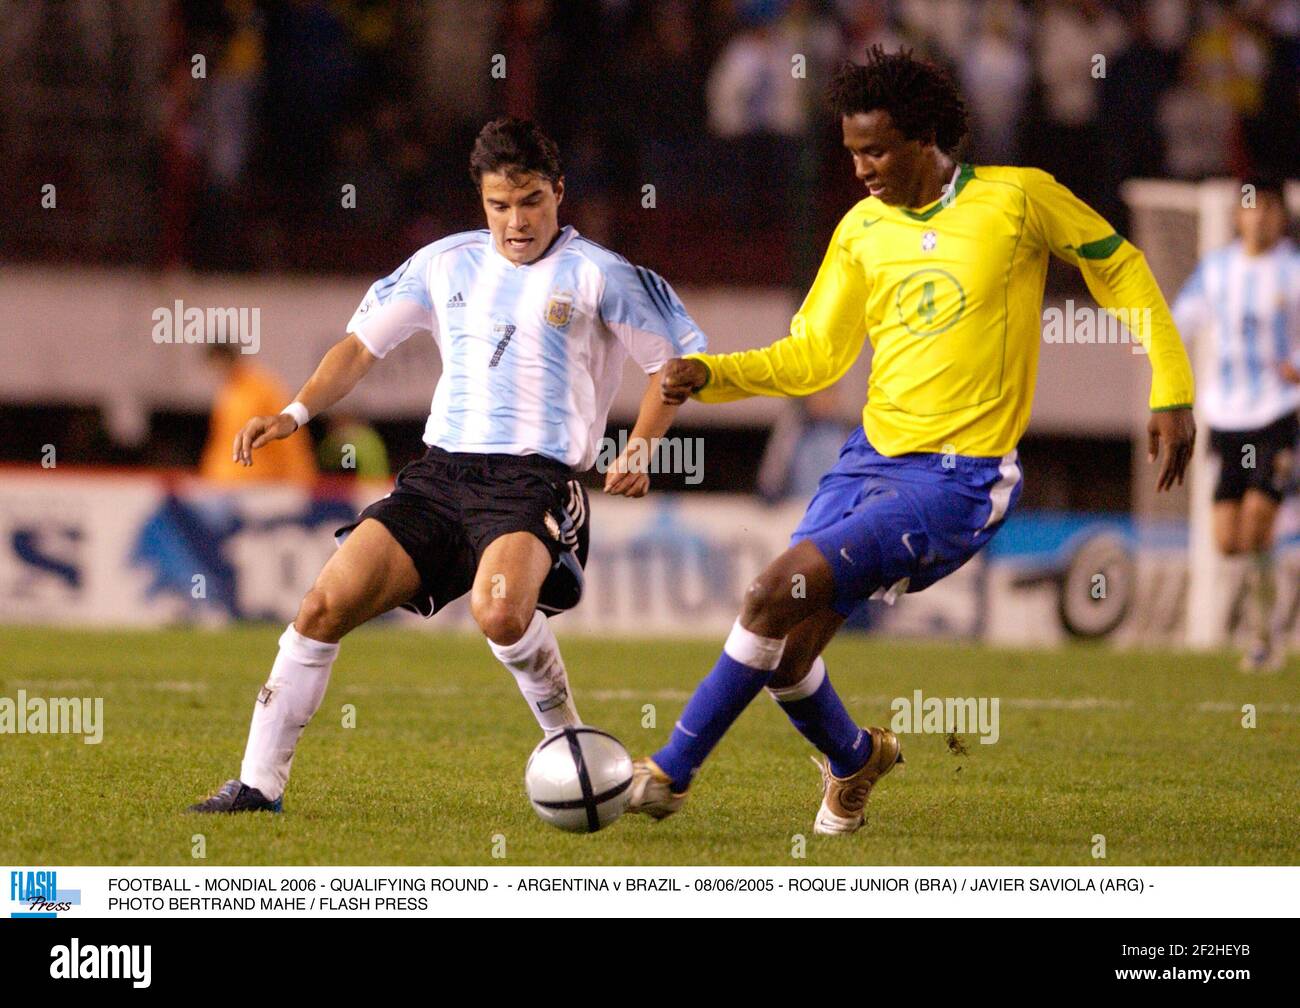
[{"x": 578, "y": 779}]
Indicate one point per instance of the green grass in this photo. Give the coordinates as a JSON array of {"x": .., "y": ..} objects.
[{"x": 1145, "y": 748}]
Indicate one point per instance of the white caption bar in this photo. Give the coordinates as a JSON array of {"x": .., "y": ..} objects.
[{"x": 500, "y": 890}]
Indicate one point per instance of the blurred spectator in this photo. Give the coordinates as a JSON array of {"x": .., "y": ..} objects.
[
  {"x": 865, "y": 23},
  {"x": 1272, "y": 135},
  {"x": 995, "y": 74},
  {"x": 751, "y": 89},
  {"x": 247, "y": 391},
  {"x": 817, "y": 38},
  {"x": 804, "y": 445},
  {"x": 242, "y": 169},
  {"x": 226, "y": 117},
  {"x": 452, "y": 71},
  {"x": 354, "y": 448},
  {"x": 943, "y": 25},
  {"x": 525, "y": 47},
  {"x": 231, "y": 96},
  {"x": 1076, "y": 41},
  {"x": 1231, "y": 55},
  {"x": 181, "y": 168},
  {"x": 378, "y": 196},
  {"x": 667, "y": 84},
  {"x": 1135, "y": 81},
  {"x": 378, "y": 58},
  {"x": 1197, "y": 127},
  {"x": 1169, "y": 22},
  {"x": 309, "y": 65},
  {"x": 757, "y": 110}
]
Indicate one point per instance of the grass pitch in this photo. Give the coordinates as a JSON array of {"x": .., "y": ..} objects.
[{"x": 1147, "y": 749}]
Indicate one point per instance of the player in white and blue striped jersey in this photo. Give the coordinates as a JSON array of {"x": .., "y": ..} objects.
[
  {"x": 1246, "y": 299},
  {"x": 533, "y": 324}
]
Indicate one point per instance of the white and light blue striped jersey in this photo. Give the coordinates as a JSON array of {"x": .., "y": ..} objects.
[
  {"x": 531, "y": 355},
  {"x": 1250, "y": 307}
]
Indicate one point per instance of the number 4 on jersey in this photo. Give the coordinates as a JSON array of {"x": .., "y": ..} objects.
[{"x": 925, "y": 307}]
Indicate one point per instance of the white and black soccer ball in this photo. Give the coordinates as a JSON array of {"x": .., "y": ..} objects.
[{"x": 578, "y": 779}]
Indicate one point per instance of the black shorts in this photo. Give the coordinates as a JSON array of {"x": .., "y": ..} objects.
[
  {"x": 448, "y": 507},
  {"x": 1262, "y": 459}
]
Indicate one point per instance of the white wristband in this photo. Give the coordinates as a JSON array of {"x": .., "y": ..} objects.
[{"x": 299, "y": 413}]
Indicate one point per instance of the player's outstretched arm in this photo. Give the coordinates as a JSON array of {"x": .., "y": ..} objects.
[
  {"x": 826, "y": 337},
  {"x": 340, "y": 369},
  {"x": 629, "y": 475},
  {"x": 1119, "y": 278}
]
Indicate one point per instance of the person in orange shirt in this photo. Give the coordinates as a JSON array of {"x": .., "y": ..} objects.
[{"x": 248, "y": 390}]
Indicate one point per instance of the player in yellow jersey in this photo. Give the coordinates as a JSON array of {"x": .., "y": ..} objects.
[{"x": 942, "y": 267}]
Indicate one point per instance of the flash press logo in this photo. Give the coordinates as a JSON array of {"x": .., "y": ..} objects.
[
  {"x": 37, "y": 894},
  {"x": 75, "y": 961}
]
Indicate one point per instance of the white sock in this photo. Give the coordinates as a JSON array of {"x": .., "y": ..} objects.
[
  {"x": 287, "y": 702},
  {"x": 1263, "y": 593},
  {"x": 534, "y": 660},
  {"x": 1234, "y": 572},
  {"x": 804, "y": 688}
]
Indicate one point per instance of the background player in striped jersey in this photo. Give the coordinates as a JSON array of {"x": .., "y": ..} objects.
[
  {"x": 942, "y": 266},
  {"x": 1246, "y": 299},
  {"x": 533, "y": 324}
]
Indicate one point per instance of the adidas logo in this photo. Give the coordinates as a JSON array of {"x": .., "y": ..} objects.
[{"x": 456, "y": 301}]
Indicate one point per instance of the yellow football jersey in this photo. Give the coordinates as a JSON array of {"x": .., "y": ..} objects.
[{"x": 951, "y": 296}]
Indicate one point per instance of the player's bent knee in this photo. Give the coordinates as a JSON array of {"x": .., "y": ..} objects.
[
  {"x": 1232, "y": 545},
  {"x": 758, "y": 597},
  {"x": 769, "y": 607},
  {"x": 501, "y": 622},
  {"x": 321, "y": 618}
]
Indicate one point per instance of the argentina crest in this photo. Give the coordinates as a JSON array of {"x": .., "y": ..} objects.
[{"x": 559, "y": 309}]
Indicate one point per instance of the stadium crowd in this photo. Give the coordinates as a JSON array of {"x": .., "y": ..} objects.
[{"x": 716, "y": 104}]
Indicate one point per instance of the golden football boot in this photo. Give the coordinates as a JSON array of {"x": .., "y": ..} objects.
[
  {"x": 844, "y": 798},
  {"x": 651, "y": 791}
]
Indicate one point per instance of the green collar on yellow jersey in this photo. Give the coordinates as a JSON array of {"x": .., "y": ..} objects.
[{"x": 965, "y": 173}]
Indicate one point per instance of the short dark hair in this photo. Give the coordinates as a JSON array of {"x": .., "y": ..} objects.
[
  {"x": 514, "y": 147},
  {"x": 1266, "y": 185},
  {"x": 920, "y": 98},
  {"x": 228, "y": 352}
]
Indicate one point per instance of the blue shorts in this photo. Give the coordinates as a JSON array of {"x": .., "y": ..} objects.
[{"x": 893, "y": 525}]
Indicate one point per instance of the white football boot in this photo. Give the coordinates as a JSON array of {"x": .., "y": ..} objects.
[{"x": 1266, "y": 655}]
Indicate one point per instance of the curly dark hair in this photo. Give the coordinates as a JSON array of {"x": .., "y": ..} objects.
[
  {"x": 920, "y": 98},
  {"x": 514, "y": 147}
]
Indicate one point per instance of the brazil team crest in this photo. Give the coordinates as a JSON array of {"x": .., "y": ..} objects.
[{"x": 559, "y": 310}]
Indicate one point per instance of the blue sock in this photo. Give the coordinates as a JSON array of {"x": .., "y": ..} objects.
[
  {"x": 821, "y": 719},
  {"x": 746, "y": 664}
]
